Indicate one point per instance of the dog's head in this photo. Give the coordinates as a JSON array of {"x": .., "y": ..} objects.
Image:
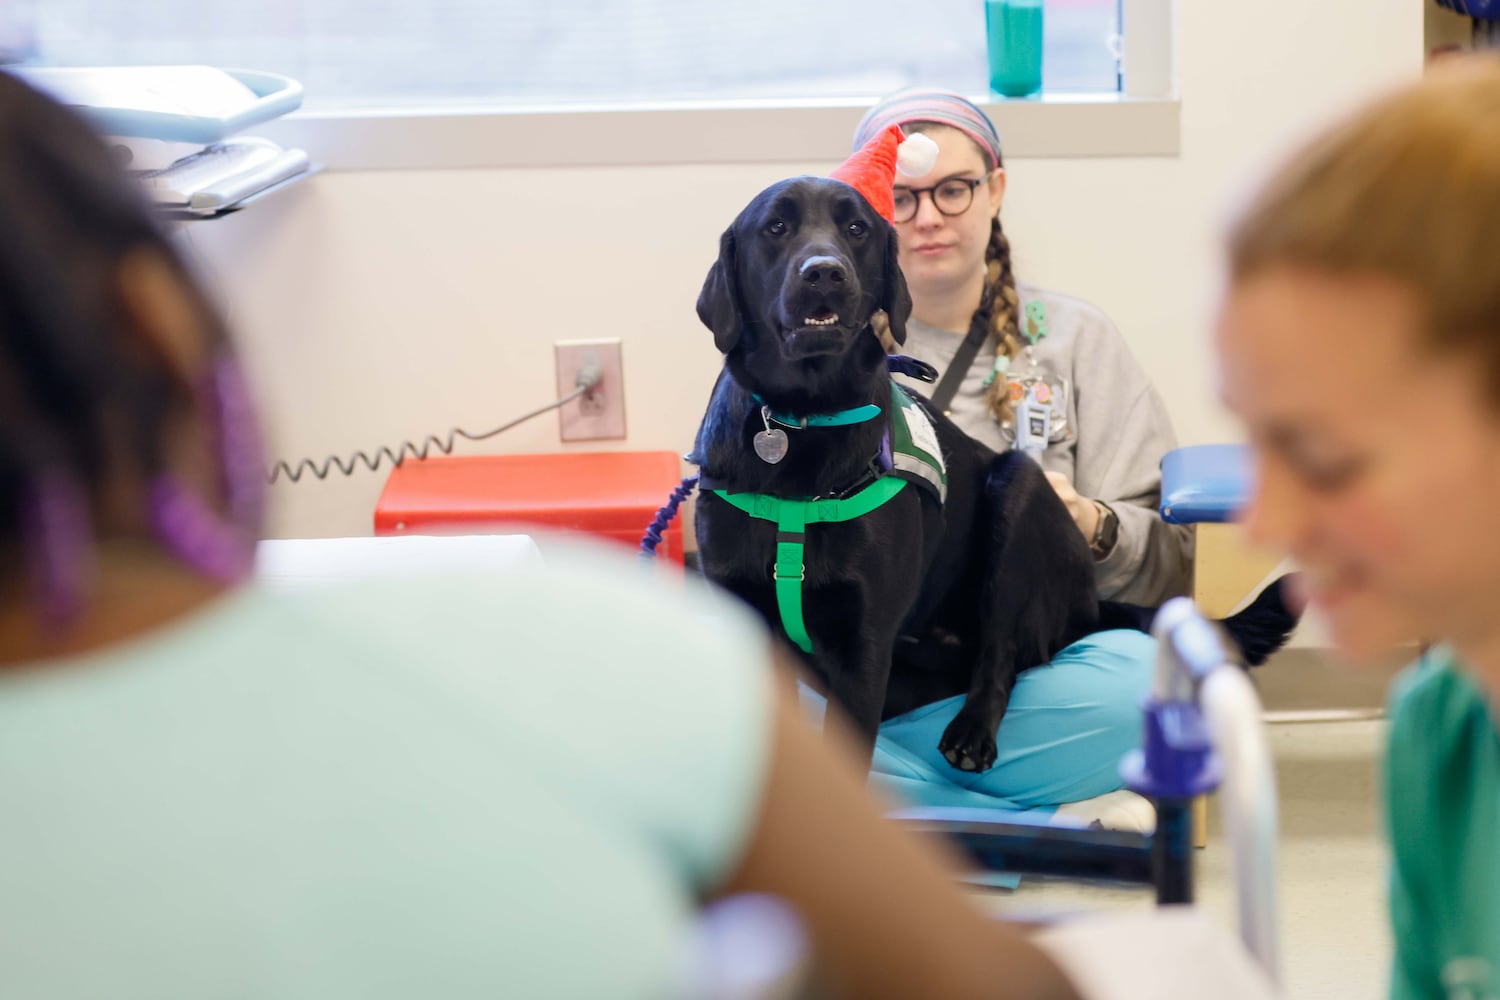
[{"x": 800, "y": 273}]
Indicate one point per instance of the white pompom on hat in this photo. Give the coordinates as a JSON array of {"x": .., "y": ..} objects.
[{"x": 871, "y": 170}]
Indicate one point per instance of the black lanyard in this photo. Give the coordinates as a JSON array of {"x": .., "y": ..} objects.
[{"x": 963, "y": 360}]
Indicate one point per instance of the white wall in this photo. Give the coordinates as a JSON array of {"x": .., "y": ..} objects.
[{"x": 377, "y": 306}]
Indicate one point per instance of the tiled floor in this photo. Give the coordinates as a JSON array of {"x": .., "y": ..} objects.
[{"x": 1334, "y": 939}]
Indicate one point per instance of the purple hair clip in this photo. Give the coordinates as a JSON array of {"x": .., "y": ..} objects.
[
  {"x": 219, "y": 548},
  {"x": 240, "y": 449},
  {"x": 58, "y": 541}
]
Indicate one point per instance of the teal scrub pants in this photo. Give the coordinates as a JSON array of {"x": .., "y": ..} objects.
[{"x": 1068, "y": 724}]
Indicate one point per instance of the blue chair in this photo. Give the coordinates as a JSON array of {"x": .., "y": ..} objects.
[{"x": 1205, "y": 484}]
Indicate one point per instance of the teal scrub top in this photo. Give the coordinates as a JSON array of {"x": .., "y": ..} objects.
[{"x": 1443, "y": 810}]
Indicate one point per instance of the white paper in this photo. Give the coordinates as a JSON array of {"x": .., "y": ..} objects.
[{"x": 290, "y": 565}]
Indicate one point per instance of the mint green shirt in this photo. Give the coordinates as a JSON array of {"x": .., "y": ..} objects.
[
  {"x": 500, "y": 787},
  {"x": 1443, "y": 804}
]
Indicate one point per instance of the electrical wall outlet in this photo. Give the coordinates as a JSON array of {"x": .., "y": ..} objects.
[{"x": 600, "y": 412}]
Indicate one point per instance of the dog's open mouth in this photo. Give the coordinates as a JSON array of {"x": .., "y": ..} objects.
[{"x": 820, "y": 332}]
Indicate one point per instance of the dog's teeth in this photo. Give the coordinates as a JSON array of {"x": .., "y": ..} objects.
[{"x": 809, "y": 321}]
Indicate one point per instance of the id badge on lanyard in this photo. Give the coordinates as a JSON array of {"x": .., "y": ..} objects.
[
  {"x": 1033, "y": 424},
  {"x": 1039, "y": 398}
]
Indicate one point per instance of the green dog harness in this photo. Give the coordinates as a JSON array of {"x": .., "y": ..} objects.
[
  {"x": 915, "y": 457},
  {"x": 791, "y": 518}
]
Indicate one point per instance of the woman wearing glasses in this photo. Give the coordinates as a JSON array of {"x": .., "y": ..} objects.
[
  {"x": 1004, "y": 349},
  {"x": 1099, "y": 427}
]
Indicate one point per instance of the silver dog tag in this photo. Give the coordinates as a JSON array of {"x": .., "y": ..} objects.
[{"x": 771, "y": 443}]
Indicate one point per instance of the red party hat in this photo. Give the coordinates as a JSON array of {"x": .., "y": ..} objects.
[{"x": 871, "y": 170}]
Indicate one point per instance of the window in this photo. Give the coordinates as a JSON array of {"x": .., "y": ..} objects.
[{"x": 394, "y": 53}]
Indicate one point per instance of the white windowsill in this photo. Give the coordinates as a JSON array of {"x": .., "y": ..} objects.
[{"x": 742, "y": 132}]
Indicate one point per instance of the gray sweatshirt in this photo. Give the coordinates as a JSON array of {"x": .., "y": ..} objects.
[{"x": 1117, "y": 432}]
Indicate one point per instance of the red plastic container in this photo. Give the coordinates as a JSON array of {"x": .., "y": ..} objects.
[{"x": 613, "y": 495}]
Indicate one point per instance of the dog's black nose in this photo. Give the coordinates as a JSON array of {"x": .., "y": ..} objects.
[{"x": 823, "y": 269}]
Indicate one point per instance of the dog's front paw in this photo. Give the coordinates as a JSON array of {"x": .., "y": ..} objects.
[{"x": 969, "y": 741}]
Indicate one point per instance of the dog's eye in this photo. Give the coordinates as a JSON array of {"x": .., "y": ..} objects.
[
  {"x": 776, "y": 228},
  {"x": 858, "y": 228}
]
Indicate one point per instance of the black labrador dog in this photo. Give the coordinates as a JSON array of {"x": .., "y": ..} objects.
[{"x": 925, "y": 596}]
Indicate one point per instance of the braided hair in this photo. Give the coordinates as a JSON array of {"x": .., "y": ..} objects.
[
  {"x": 999, "y": 312},
  {"x": 79, "y": 397}
]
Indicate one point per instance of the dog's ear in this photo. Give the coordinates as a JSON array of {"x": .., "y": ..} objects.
[
  {"x": 719, "y": 301},
  {"x": 897, "y": 299}
]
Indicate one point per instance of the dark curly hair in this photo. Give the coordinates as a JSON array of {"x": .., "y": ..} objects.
[{"x": 78, "y": 395}]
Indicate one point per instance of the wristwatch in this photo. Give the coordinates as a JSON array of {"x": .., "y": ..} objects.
[{"x": 1106, "y": 532}]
